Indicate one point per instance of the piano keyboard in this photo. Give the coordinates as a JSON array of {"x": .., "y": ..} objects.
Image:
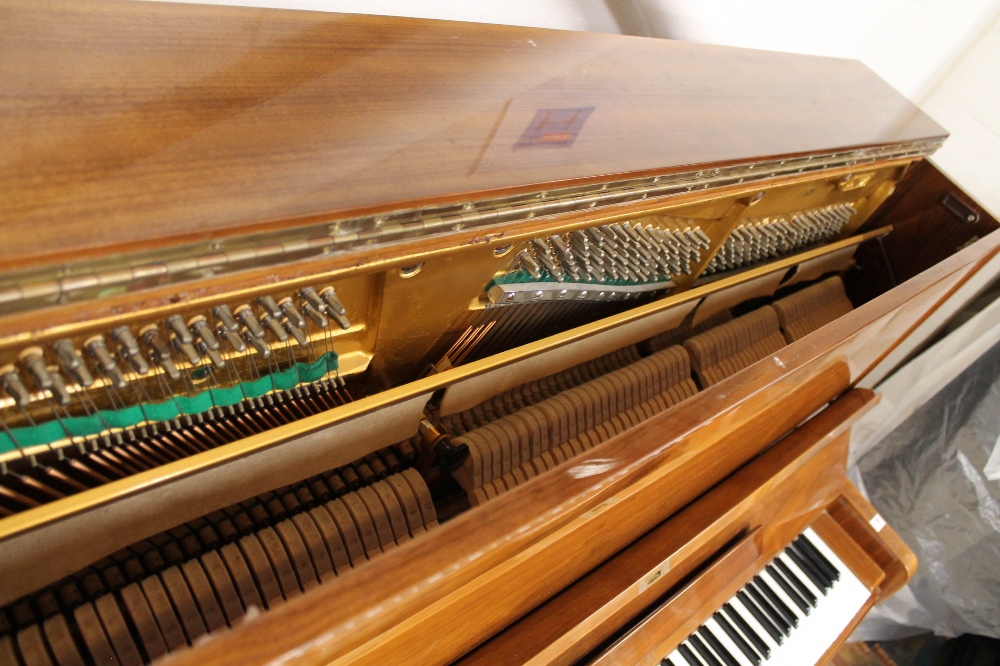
[{"x": 790, "y": 613}]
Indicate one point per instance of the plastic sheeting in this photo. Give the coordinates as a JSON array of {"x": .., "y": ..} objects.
[{"x": 930, "y": 479}]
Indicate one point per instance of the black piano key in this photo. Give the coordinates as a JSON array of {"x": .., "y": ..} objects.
[
  {"x": 763, "y": 613},
  {"x": 737, "y": 638},
  {"x": 716, "y": 644},
  {"x": 819, "y": 557},
  {"x": 793, "y": 577},
  {"x": 758, "y": 641},
  {"x": 776, "y": 603},
  {"x": 703, "y": 650},
  {"x": 788, "y": 589},
  {"x": 819, "y": 579},
  {"x": 666, "y": 662},
  {"x": 807, "y": 555},
  {"x": 689, "y": 655}
]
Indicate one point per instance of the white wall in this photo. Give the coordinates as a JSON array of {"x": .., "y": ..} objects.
[
  {"x": 909, "y": 43},
  {"x": 967, "y": 102}
]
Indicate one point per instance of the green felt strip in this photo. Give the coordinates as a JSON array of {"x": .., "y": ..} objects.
[
  {"x": 521, "y": 276},
  {"x": 82, "y": 426}
]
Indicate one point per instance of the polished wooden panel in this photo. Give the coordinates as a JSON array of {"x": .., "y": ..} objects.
[
  {"x": 924, "y": 231},
  {"x": 859, "y": 561},
  {"x": 129, "y": 123},
  {"x": 503, "y": 554},
  {"x": 780, "y": 493},
  {"x": 669, "y": 624},
  {"x": 862, "y": 521}
]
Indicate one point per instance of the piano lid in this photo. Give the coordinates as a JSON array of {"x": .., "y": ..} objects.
[{"x": 143, "y": 125}]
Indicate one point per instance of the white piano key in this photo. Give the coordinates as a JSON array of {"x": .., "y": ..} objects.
[{"x": 821, "y": 546}]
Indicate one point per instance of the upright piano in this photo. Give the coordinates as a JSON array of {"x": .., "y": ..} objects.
[{"x": 343, "y": 339}]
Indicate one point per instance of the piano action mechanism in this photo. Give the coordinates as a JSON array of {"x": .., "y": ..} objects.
[{"x": 341, "y": 339}]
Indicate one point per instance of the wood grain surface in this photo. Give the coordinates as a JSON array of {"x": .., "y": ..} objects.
[{"x": 139, "y": 124}]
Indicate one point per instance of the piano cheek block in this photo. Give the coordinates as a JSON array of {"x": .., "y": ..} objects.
[{"x": 375, "y": 353}]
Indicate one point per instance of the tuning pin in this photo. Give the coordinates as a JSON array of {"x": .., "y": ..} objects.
[
  {"x": 291, "y": 314},
  {"x": 59, "y": 390},
  {"x": 273, "y": 324},
  {"x": 530, "y": 265},
  {"x": 72, "y": 363},
  {"x": 335, "y": 308},
  {"x": 105, "y": 361},
  {"x": 213, "y": 355},
  {"x": 11, "y": 382},
  {"x": 175, "y": 324},
  {"x": 233, "y": 338},
  {"x": 245, "y": 315},
  {"x": 129, "y": 348},
  {"x": 159, "y": 351},
  {"x": 315, "y": 315},
  {"x": 706, "y": 242},
  {"x": 229, "y": 328},
  {"x": 34, "y": 364},
  {"x": 183, "y": 339},
  {"x": 259, "y": 344},
  {"x": 225, "y": 318},
  {"x": 295, "y": 332},
  {"x": 310, "y": 296},
  {"x": 202, "y": 330},
  {"x": 269, "y": 306}
]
